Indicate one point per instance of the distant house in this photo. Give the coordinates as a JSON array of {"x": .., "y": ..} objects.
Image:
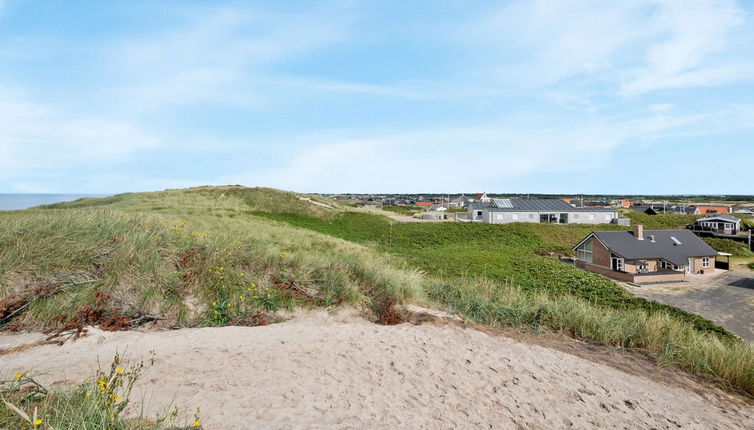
[
  {"x": 721, "y": 224},
  {"x": 624, "y": 204},
  {"x": 645, "y": 256},
  {"x": 647, "y": 209},
  {"x": 745, "y": 211},
  {"x": 437, "y": 207},
  {"x": 425, "y": 205},
  {"x": 707, "y": 209},
  {"x": 552, "y": 211},
  {"x": 433, "y": 215},
  {"x": 482, "y": 197},
  {"x": 459, "y": 202}
]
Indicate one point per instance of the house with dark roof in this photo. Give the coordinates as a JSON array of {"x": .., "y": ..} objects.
[
  {"x": 459, "y": 202},
  {"x": 721, "y": 224},
  {"x": 641, "y": 256},
  {"x": 552, "y": 211}
]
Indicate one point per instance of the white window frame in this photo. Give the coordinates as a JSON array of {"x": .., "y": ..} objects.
[
  {"x": 531, "y": 215},
  {"x": 705, "y": 262},
  {"x": 514, "y": 217},
  {"x": 620, "y": 263},
  {"x": 584, "y": 254}
]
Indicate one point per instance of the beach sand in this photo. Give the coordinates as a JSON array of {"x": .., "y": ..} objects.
[{"x": 320, "y": 370}]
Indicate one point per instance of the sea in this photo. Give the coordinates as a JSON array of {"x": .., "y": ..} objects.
[{"x": 15, "y": 201}]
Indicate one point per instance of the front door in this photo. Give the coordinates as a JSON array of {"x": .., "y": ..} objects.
[{"x": 690, "y": 268}]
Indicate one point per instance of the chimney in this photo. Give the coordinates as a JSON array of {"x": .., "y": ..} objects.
[{"x": 639, "y": 231}]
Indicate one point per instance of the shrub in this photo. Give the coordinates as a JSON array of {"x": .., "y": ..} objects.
[{"x": 738, "y": 249}]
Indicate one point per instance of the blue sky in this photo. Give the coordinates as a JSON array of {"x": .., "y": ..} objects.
[{"x": 646, "y": 96}]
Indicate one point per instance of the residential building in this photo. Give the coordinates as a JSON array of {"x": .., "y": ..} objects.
[
  {"x": 645, "y": 256},
  {"x": 425, "y": 205},
  {"x": 709, "y": 209},
  {"x": 482, "y": 197},
  {"x": 745, "y": 211},
  {"x": 720, "y": 224},
  {"x": 460, "y": 202},
  {"x": 553, "y": 211}
]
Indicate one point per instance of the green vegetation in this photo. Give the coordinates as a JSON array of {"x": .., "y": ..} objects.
[
  {"x": 667, "y": 338},
  {"x": 97, "y": 403},
  {"x": 403, "y": 210},
  {"x": 738, "y": 249},
  {"x": 659, "y": 222},
  {"x": 233, "y": 255}
]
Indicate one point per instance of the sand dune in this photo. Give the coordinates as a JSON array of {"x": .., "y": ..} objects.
[{"x": 323, "y": 371}]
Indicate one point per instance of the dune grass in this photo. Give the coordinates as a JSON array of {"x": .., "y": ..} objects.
[
  {"x": 226, "y": 255},
  {"x": 95, "y": 404},
  {"x": 660, "y": 334}
]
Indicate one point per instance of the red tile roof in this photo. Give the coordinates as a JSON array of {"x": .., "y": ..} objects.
[
  {"x": 712, "y": 209},
  {"x": 424, "y": 204}
]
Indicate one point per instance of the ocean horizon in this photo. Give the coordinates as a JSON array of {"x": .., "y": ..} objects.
[{"x": 18, "y": 201}]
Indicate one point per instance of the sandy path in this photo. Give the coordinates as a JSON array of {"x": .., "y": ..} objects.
[{"x": 322, "y": 371}]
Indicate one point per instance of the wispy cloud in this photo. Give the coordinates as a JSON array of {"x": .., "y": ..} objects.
[
  {"x": 216, "y": 55},
  {"x": 636, "y": 47},
  {"x": 36, "y": 139},
  {"x": 462, "y": 159}
]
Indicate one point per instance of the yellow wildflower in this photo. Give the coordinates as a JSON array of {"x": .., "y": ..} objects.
[
  {"x": 119, "y": 370},
  {"x": 116, "y": 398},
  {"x": 197, "y": 423},
  {"x": 88, "y": 394},
  {"x": 112, "y": 416},
  {"x": 38, "y": 422},
  {"x": 19, "y": 375}
]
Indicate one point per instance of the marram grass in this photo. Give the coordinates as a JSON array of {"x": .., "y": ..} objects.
[{"x": 211, "y": 256}]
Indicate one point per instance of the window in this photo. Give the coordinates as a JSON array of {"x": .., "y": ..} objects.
[
  {"x": 575, "y": 216},
  {"x": 563, "y": 219},
  {"x": 531, "y": 216},
  {"x": 617, "y": 263},
  {"x": 499, "y": 216},
  {"x": 479, "y": 213},
  {"x": 549, "y": 218},
  {"x": 515, "y": 217},
  {"x": 705, "y": 262},
  {"x": 643, "y": 266},
  {"x": 584, "y": 252}
]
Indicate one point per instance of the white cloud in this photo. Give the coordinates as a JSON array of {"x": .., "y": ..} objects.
[
  {"x": 217, "y": 55},
  {"x": 637, "y": 46},
  {"x": 36, "y": 140},
  {"x": 462, "y": 159}
]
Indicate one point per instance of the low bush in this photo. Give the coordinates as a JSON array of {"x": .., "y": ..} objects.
[{"x": 738, "y": 249}]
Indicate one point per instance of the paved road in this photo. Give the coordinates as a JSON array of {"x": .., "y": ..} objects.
[{"x": 726, "y": 298}]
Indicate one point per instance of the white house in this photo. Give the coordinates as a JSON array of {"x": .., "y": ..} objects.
[{"x": 552, "y": 211}]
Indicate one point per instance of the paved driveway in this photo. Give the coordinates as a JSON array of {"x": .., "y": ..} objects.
[{"x": 726, "y": 298}]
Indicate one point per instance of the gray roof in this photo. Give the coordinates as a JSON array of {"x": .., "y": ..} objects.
[
  {"x": 729, "y": 218},
  {"x": 625, "y": 244},
  {"x": 531, "y": 205}
]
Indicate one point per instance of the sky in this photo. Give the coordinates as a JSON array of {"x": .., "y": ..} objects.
[{"x": 523, "y": 96}]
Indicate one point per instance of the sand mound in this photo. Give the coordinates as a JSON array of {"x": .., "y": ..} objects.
[{"x": 323, "y": 371}]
